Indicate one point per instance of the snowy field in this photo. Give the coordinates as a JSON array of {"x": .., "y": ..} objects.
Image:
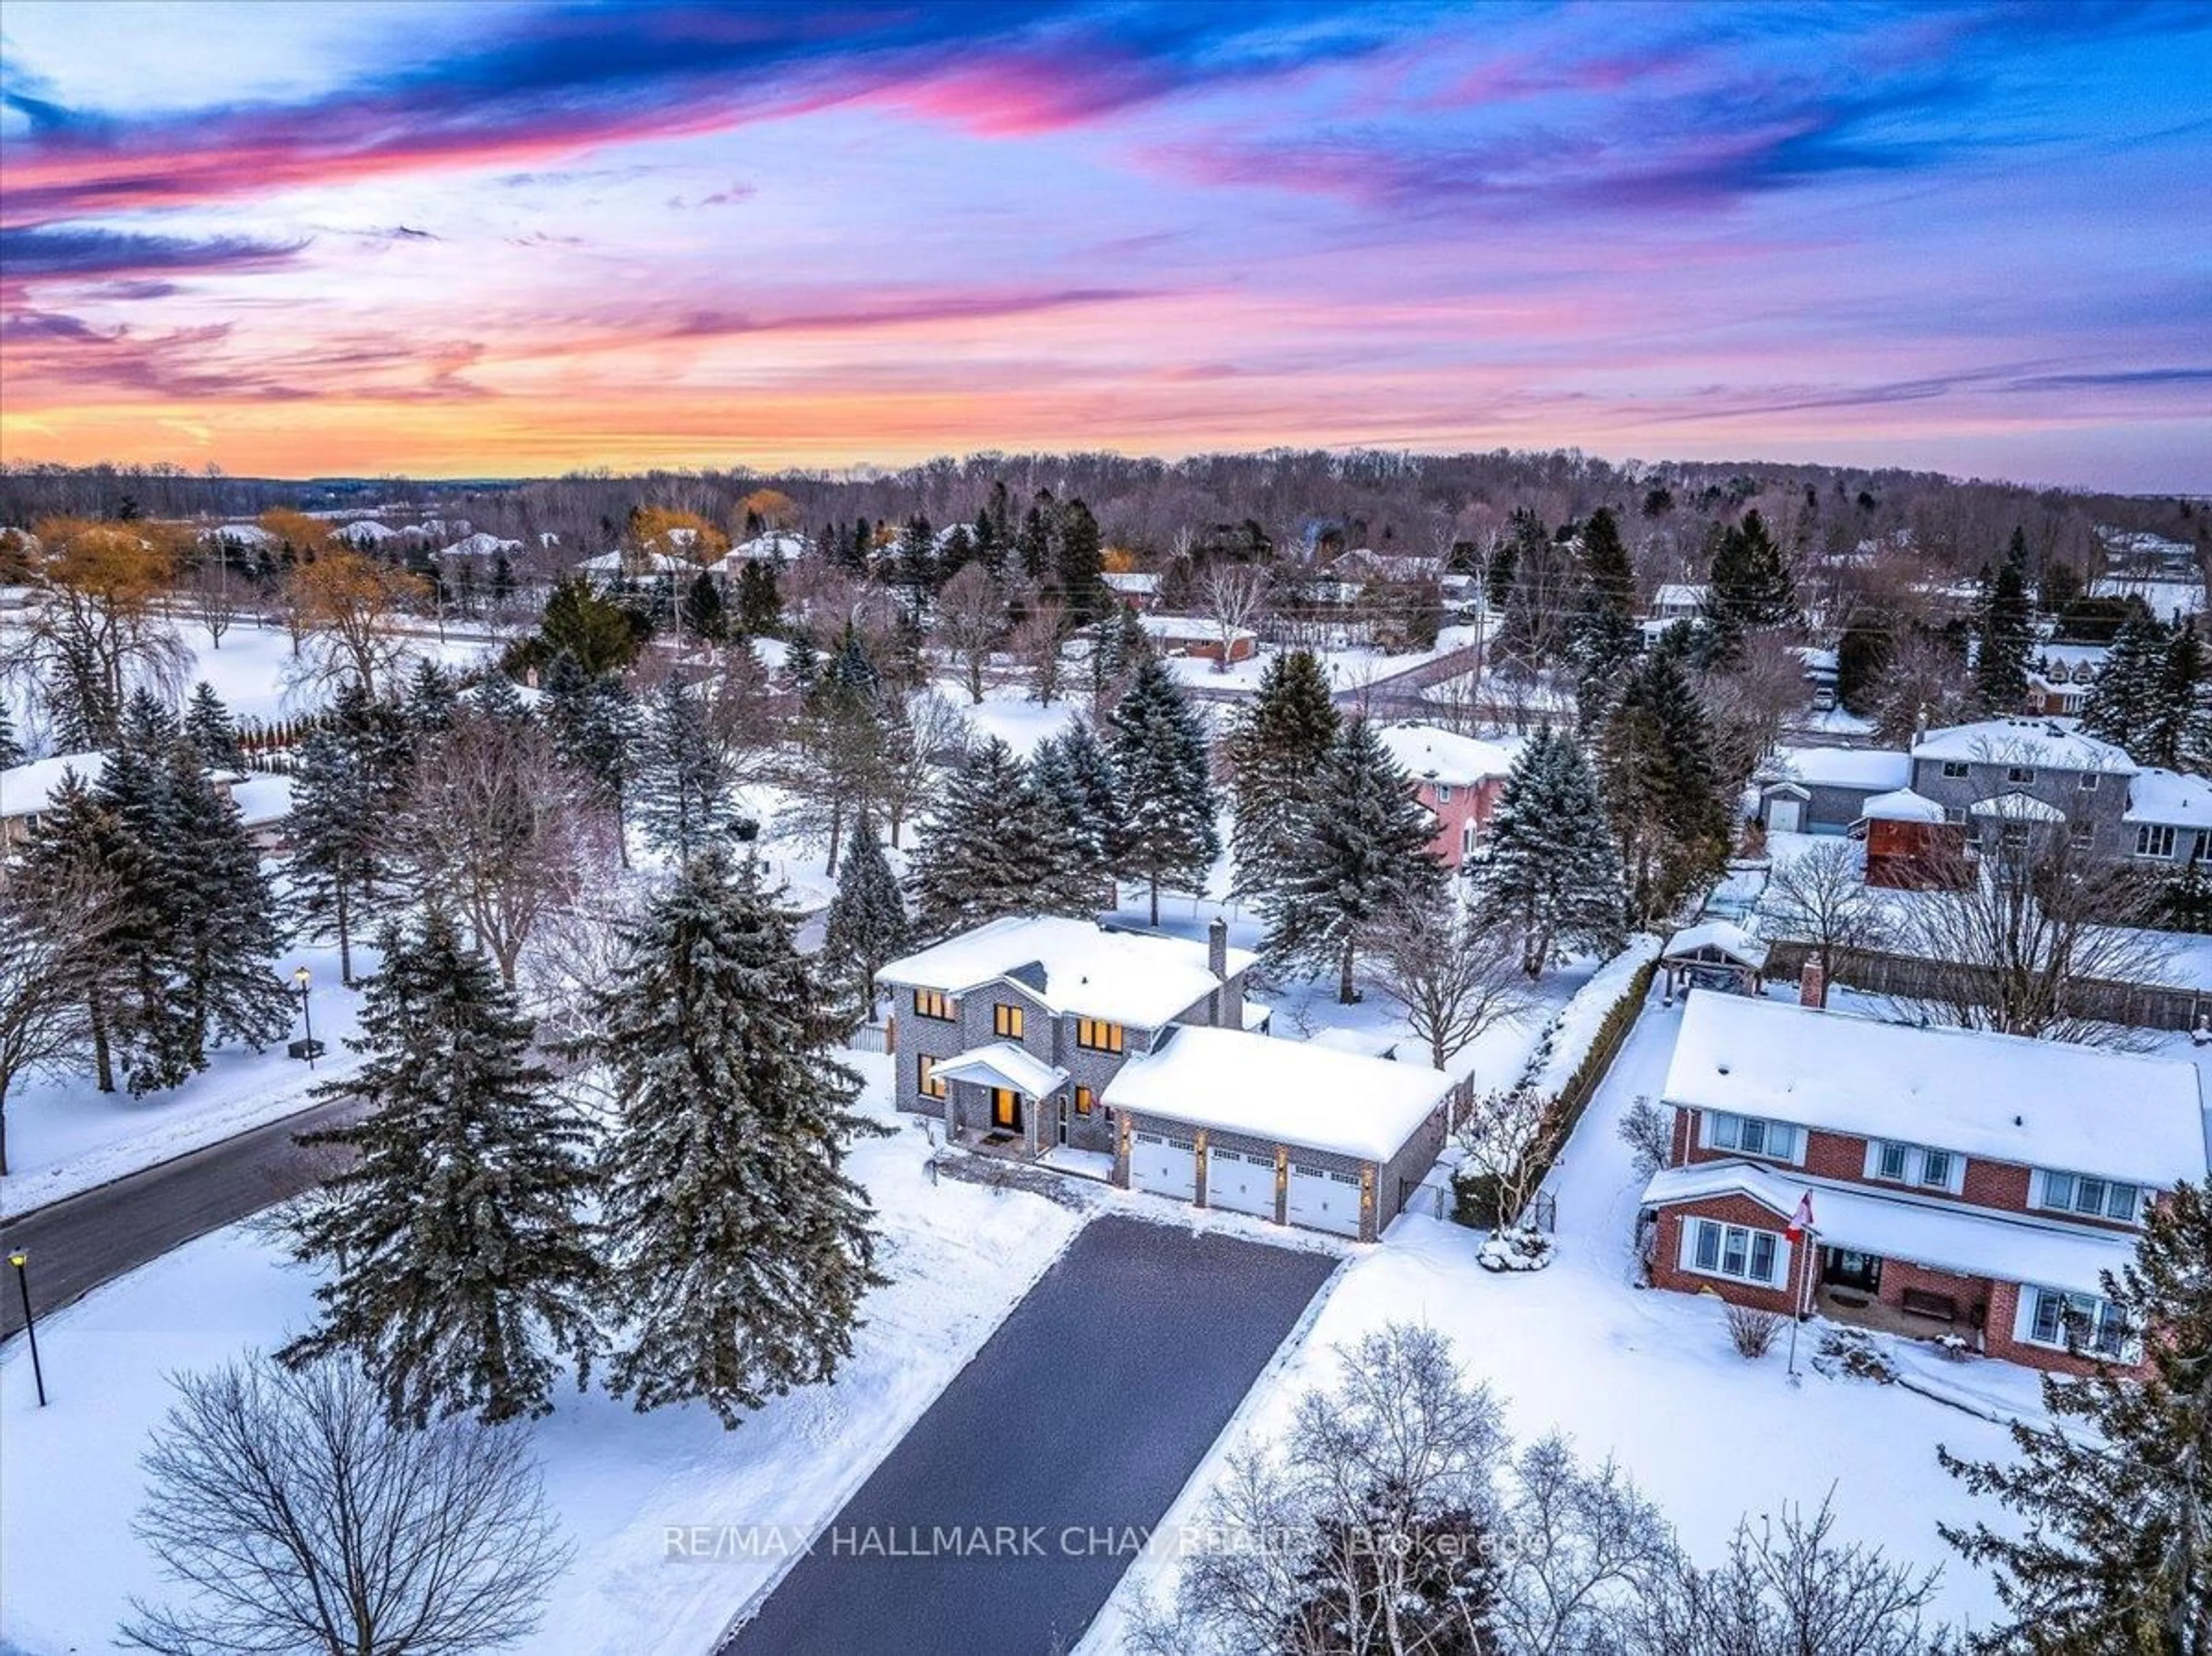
[
  {"x": 960, "y": 1256},
  {"x": 1645, "y": 1377},
  {"x": 1348, "y": 668}
]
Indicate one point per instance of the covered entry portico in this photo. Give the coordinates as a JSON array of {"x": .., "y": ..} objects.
[{"x": 1001, "y": 1097}]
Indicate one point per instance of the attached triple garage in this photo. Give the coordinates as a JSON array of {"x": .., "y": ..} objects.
[{"x": 1283, "y": 1130}]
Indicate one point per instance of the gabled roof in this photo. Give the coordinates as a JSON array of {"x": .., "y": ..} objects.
[
  {"x": 1280, "y": 1091},
  {"x": 1875, "y": 769},
  {"x": 1725, "y": 935},
  {"x": 26, "y": 789},
  {"x": 1901, "y": 805},
  {"x": 2041, "y": 1103},
  {"x": 1949, "y": 1236},
  {"x": 2170, "y": 797},
  {"x": 1437, "y": 755},
  {"x": 1002, "y": 1063},
  {"x": 2044, "y": 742},
  {"x": 2017, "y": 806},
  {"x": 1071, "y": 966}
]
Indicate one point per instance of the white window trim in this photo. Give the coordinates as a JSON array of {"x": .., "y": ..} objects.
[
  {"x": 1915, "y": 1163},
  {"x": 2023, "y": 1330},
  {"x": 2040, "y": 1196},
  {"x": 1954, "y": 769},
  {"x": 1780, "y": 1279},
  {"x": 2147, "y": 835},
  {"x": 1708, "y": 1139}
]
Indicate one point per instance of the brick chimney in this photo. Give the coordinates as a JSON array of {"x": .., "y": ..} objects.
[
  {"x": 1217, "y": 949},
  {"x": 1813, "y": 985}
]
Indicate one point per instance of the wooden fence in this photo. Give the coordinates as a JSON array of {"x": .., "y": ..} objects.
[{"x": 1910, "y": 977}]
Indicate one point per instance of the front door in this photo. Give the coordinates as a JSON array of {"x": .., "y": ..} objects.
[
  {"x": 1006, "y": 1109},
  {"x": 1846, "y": 1268},
  {"x": 1063, "y": 1119}
]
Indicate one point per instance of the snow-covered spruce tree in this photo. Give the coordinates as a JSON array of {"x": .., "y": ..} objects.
[
  {"x": 2115, "y": 1553},
  {"x": 1553, "y": 869},
  {"x": 463, "y": 1273},
  {"x": 741, "y": 1251},
  {"x": 1275, "y": 751},
  {"x": 2004, "y": 630},
  {"x": 428, "y": 701},
  {"x": 1660, "y": 785},
  {"x": 2128, "y": 687},
  {"x": 593, "y": 722},
  {"x": 1168, "y": 834},
  {"x": 1362, "y": 854},
  {"x": 2173, "y": 733},
  {"x": 211, "y": 730},
  {"x": 349, "y": 784},
  {"x": 682, "y": 779},
  {"x": 994, "y": 846},
  {"x": 226, "y": 916},
  {"x": 79, "y": 847},
  {"x": 867, "y": 923},
  {"x": 1605, "y": 638},
  {"x": 1749, "y": 587},
  {"x": 1074, "y": 771},
  {"x": 11, "y": 747}
]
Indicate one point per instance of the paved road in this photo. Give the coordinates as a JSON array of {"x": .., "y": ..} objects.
[
  {"x": 1088, "y": 1410},
  {"x": 77, "y": 1244}
]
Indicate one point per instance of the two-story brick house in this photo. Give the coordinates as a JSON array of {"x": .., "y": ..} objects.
[
  {"x": 1961, "y": 1182},
  {"x": 1039, "y": 1036},
  {"x": 1457, "y": 778}
]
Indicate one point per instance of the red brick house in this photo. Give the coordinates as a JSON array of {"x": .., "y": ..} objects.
[
  {"x": 1458, "y": 779},
  {"x": 1962, "y": 1182}
]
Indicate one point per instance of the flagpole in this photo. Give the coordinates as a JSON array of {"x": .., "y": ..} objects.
[{"x": 1802, "y": 1225}]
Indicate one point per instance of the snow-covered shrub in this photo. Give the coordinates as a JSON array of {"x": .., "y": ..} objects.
[
  {"x": 1851, "y": 1353},
  {"x": 1752, "y": 1331},
  {"x": 1648, "y": 1131},
  {"x": 1522, "y": 1248}
]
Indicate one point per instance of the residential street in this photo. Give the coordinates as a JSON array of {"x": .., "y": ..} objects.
[
  {"x": 1082, "y": 1418},
  {"x": 77, "y": 1245}
]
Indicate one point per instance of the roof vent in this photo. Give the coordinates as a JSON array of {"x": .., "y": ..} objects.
[{"x": 1723, "y": 1069}]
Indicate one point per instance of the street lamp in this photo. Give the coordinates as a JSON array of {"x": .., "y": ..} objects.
[
  {"x": 19, "y": 1259},
  {"x": 304, "y": 980}
]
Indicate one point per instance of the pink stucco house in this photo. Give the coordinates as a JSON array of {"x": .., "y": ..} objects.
[{"x": 1457, "y": 777}]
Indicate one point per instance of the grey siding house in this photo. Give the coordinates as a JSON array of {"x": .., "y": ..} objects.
[
  {"x": 1822, "y": 790},
  {"x": 2003, "y": 775}
]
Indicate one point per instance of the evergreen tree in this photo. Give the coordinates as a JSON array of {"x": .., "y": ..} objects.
[
  {"x": 1078, "y": 560},
  {"x": 919, "y": 576},
  {"x": 1863, "y": 654},
  {"x": 603, "y": 636},
  {"x": 802, "y": 663},
  {"x": 211, "y": 731},
  {"x": 1536, "y": 592},
  {"x": 1606, "y": 639},
  {"x": 2115, "y": 1553},
  {"x": 79, "y": 845},
  {"x": 227, "y": 918},
  {"x": 682, "y": 776},
  {"x": 2130, "y": 684},
  {"x": 593, "y": 724},
  {"x": 1276, "y": 748},
  {"x": 1749, "y": 589},
  {"x": 1034, "y": 543},
  {"x": 1076, "y": 775},
  {"x": 11, "y": 748},
  {"x": 2004, "y": 633},
  {"x": 741, "y": 1249},
  {"x": 462, "y": 1270},
  {"x": 995, "y": 846},
  {"x": 1362, "y": 851},
  {"x": 702, "y": 614},
  {"x": 1553, "y": 869},
  {"x": 430, "y": 699},
  {"x": 759, "y": 605},
  {"x": 2175, "y": 712},
  {"x": 1661, "y": 785},
  {"x": 1168, "y": 833},
  {"x": 867, "y": 924}
]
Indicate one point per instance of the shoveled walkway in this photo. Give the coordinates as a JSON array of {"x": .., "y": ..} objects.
[{"x": 1082, "y": 1417}]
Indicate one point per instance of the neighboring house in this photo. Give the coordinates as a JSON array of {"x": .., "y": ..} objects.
[
  {"x": 1678, "y": 601},
  {"x": 777, "y": 547},
  {"x": 1198, "y": 636},
  {"x": 2005, "y": 777},
  {"x": 1051, "y": 1038},
  {"x": 1902, "y": 831},
  {"x": 25, "y": 790},
  {"x": 1139, "y": 589},
  {"x": 1824, "y": 790},
  {"x": 1458, "y": 779},
  {"x": 1962, "y": 1183},
  {"x": 2060, "y": 676},
  {"x": 2169, "y": 816},
  {"x": 631, "y": 565},
  {"x": 482, "y": 544},
  {"x": 264, "y": 807}
]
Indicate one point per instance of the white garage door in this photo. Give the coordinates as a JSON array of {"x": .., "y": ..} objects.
[
  {"x": 1324, "y": 1199},
  {"x": 1242, "y": 1183},
  {"x": 1166, "y": 1166},
  {"x": 1783, "y": 816}
]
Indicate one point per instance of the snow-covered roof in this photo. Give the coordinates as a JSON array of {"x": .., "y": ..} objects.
[
  {"x": 482, "y": 544},
  {"x": 27, "y": 790},
  {"x": 1901, "y": 805},
  {"x": 2017, "y": 806},
  {"x": 245, "y": 534},
  {"x": 2166, "y": 598},
  {"x": 1282, "y": 1091},
  {"x": 776, "y": 546},
  {"x": 2044, "y": 1104},
  {"x": 1139, "y": 583},
  {"x": 1948, "y": 1236},
  {"x": 1188, "y": 626},
  {"x": 623, "y": 562},
  {"x": 1071, "y": 966},
  {"x": 1439, "y": 755},
  {"x": 1876, "y": 769},
  {"x": 1679, "y": 595},
  {"x": 363, "y": 534},
  {"x": 2170, "y": 797},
  {"x": 2072, "y": 655},
  {"x": 1725, "y": 935},
  {"x": 2044, "y": 742},
  {"x": 1002, "y": 1063},
  {"x": 1362, "y": 1043},
  {"x": 262, "y": 799}
]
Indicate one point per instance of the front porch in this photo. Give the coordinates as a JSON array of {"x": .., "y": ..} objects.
[
  {"x": 1003, "y": 1100},
  {"x": 1896, "y": 1297}
]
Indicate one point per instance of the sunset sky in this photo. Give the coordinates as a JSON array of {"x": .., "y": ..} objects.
[{"x": 476, "y": 240}]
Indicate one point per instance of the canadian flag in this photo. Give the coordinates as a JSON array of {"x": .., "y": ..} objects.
[{"x": 1802, "y": 1221}]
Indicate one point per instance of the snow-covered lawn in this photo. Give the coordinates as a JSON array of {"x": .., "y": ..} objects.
[
  {"x": 1348, "y": 668},
  {"x": 959, "y": 1255},
  {"x": 1647, "y": 1378},
  {"x": 64, "y": 1137}
]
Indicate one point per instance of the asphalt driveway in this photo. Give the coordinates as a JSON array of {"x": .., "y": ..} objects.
[{"x": 999, "y": 1523}]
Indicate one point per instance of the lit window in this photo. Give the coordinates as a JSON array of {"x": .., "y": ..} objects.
[
  {"x": 932, "y": 1003},
  {"x": 1096, "y": 1035},
  {"x": 1006, "y": 1021},
  {"x": 926, "y": 1080},
  {"x": 1085, "y": 1101}
]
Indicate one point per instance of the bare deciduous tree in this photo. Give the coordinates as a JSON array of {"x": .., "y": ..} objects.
[
  {"x": 1456, "y": 973},
  {"x": 496, "y": 826},
  {"x": 1581, "y": 1544},
  {"x": 298, "y": 1519},
  {"x": 48, "y": 940},
  {"x": 210, "y": 595},
  {"x": 1648, "y": 1132},
  {"x": 1819, "y": 898},
  {"x": 1038, "y": 641},
  {"x": 350, "y": 603},
  {"x": 1508, "y": 1137},
  {"x": 1233, "y": 596},
  {"x": 971, "y": 619}
]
